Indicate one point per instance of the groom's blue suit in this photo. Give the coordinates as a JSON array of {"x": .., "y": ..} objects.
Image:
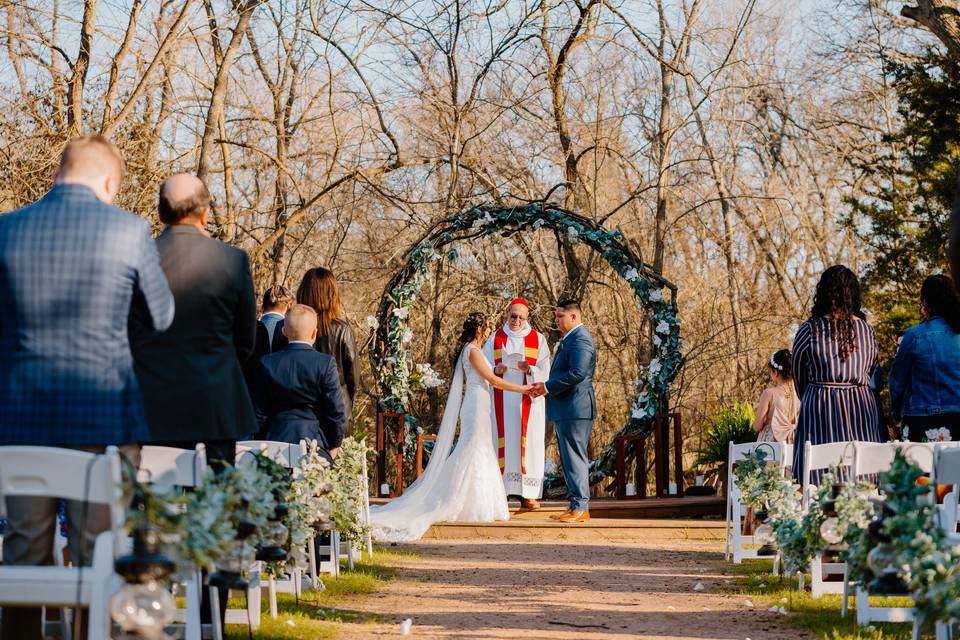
[{"x": 572, "y": 406}]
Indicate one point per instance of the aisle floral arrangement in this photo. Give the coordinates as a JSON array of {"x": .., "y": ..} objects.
[
  {"x": 349, "y": 490},
  {"x": 893, "y": 533},
  {"x": 199, "y": 527}
]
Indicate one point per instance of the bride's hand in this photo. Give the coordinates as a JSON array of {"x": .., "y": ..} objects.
[{"x": 527, "y": 388}]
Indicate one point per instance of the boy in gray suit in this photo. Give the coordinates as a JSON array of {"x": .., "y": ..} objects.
[{"x": 572, "y": 405}]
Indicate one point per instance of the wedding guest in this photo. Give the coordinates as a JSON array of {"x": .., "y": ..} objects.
[
  {"x": 925, "y": 376},
  {"x": 834, "y": 356},
  {"x": 319, "y": 290},
  {"x": 298, "y": 388},
  {"x": 70, "y": 266},
  {"x": 191, "y": 376},
  {"x": 779, "y": 405},
  {"x": 275, "y": 303}
]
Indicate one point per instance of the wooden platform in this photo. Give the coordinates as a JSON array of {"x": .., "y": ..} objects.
[
  {"x": 611, "y": 521},
  {"x": 542, "y": 529},
  {"x": 650, "y": 508}
]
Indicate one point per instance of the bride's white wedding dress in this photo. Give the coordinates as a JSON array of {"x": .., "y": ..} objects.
[{"x": 459, "y": 486}]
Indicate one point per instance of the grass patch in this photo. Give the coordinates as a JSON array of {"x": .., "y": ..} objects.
[
  {"x": 316, "y": 614},
  {"x": 757, "y": 582}
]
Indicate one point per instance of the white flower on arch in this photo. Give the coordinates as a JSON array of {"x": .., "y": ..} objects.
[
  {"x": 373, "y": 323},
  {"x": 631, "y": 274},
  {"x": 663, "y": 327},
  {"x": 401, "y": 312},
  {"x": 656, "y": 295}
]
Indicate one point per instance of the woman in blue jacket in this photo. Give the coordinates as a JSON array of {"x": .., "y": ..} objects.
[{"x": 925, "y": 375}]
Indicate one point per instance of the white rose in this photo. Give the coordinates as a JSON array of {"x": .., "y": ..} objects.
[
  {"x": 663, "y": 327},
  {"x": 407, "y": 335},
  {"x": 373, "y": 323},
  {"x": 401, "y": 312},
  {"x": 657, "y": 341},
  {"x": 572, "y": 233},
  {"x": 539, "y": 222},
  {"x": 655, "y": 366},
  {"x": 638, "y": 413},
  {"x": 631, "y": 274},
  {"x": 390, "y": 361},
  {"x": 656, "y": 295}
]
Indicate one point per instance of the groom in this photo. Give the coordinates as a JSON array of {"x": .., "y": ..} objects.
[{"x": 572, "y": 406}]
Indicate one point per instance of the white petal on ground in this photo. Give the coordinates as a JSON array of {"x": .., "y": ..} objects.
[
  {"x": 748, "y": 603},
  {"x": 406, "y": 626},
  {"x": 698, "y": 586}
]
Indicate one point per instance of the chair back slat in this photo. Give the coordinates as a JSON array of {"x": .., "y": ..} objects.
[
  {"x": 283, "y": 453},
  {"x": 59, "y": 473},
  {"x": 946, "y": 467},
  {"x": 877, "y": 457},
  {"x": 64, "y": 473},
  {"x": 172, "y": 466}
]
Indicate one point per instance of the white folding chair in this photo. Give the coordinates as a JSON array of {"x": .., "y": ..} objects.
[
  {"x": 736, "y": 510},
  {"x": 946, "y": 470},
  {"x": 288, "y": 456},
  {"x": 170, "y": 466},
  {"x": 72, "y": 475},
  {"x": 871, "y": 458},
  {"x": 819, "y": 457}
]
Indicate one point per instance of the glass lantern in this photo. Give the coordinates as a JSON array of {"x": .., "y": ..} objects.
[
  {"x": 274, "y": 537},
  {"x": 143, "y": 610},
  {"x": 143, "y": 607},
  {"x": 231, "y": 565},
  {"x": 830, "y": 531}
]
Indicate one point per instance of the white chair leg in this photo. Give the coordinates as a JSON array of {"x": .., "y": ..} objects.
[
  {"x": 335, "y": 551},
  {"x": 350, "y": 555},
  {"x": 312, "y": 560},
  {"x": 845, "y": 603},
  {"x": 253, "y": 600},
  {"x": 215, "y": 605},
  {"x": 863, "y": 606},
  {"x": 98, "y": 627},
  {"x": 192, "y": 628},
  {"x": 729, "y": 532},
  {"x": 915, "y": 632},
  {"x": 272, "y": 596},
  {"x": 800, "y": 580},
  {"x": 297, "y": 575},
  {"x": 776, "y": 564}
]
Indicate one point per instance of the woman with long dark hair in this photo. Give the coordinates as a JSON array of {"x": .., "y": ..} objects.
[
  {"x": 925, "y": 375},
  {"x": 319, "y": 289},
  {"x": 461, "y": 483},
  {"x": 834, "y": 357},
  {"x": 779, "y": 405}
]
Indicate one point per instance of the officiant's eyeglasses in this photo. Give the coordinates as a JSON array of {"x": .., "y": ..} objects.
[{"x": 515, "y": 316}]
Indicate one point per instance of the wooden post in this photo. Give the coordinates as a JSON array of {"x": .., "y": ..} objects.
[
  {"x": 677, "y": 453},
  {"x": 382, "y": 452},
  {"x": 420, "y": 441},
  {"x": 640, "y": 456}
]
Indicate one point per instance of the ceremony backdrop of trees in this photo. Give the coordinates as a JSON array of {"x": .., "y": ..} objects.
[{"x": 741, "y": 146}]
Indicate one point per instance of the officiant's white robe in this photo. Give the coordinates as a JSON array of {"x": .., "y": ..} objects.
[{"x": 529, "y": 484}]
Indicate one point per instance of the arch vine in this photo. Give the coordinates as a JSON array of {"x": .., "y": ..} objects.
[{"x": 389, "y": 356}]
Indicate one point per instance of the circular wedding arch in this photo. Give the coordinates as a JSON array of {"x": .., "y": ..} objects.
[{"x": 389, "y": 355}]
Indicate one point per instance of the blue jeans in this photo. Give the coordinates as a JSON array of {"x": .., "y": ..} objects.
[{"x": 572, "y": 439}]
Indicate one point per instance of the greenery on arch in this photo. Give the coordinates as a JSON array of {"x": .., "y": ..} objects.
[{"x": 390, "y": 358}]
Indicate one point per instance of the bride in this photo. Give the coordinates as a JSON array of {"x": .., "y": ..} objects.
[{"x": 463, "y": 485}]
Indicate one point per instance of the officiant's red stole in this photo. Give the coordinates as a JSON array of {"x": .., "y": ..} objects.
[{"x": 531, "y": 349}]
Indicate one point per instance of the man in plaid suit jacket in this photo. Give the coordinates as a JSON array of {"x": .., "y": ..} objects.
[{"x": 71, "y": 264}]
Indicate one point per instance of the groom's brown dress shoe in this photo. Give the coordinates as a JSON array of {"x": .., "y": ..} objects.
[
  {"x": 575, "y": 516},
  {"x": 529, "y": 503},
  {"x": 560, "y": 516}
]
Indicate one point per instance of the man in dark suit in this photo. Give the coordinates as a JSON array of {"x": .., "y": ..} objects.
[
  {"x": 191, "y": 376},
  {"x": 298, "y": 388},
  {"x": 70, "y": 265},
  {"x": 193, "y": 387},
  {"x": 572, "y": 405}
]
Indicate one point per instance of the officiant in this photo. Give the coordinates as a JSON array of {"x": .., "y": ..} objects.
[{"x": 522, "y": 356}]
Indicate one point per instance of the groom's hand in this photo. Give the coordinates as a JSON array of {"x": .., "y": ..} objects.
[
  {"x": 500, "y": 369},
  {"x": 537, "y": 390}
]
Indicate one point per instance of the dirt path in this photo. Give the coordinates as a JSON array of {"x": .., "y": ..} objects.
[{"x": 491, "y": 589}]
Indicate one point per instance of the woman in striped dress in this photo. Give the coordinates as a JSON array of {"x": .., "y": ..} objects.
[{"x": 834, "y": 356}]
